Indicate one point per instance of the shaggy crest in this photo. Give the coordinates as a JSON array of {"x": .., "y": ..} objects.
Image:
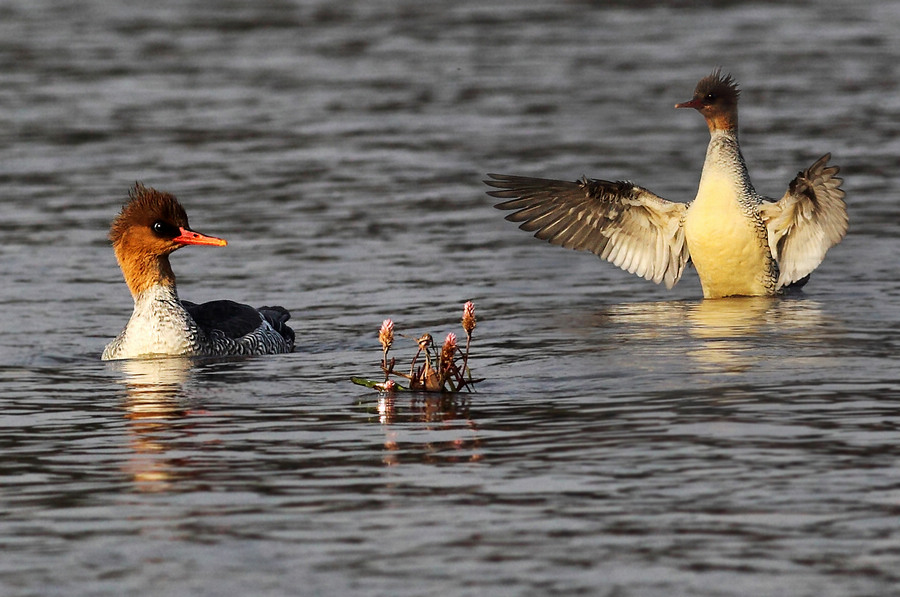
[
  {"x": 152, "y": 205},
  {"x": 717, "y": 85}
]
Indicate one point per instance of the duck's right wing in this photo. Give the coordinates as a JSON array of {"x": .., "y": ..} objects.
[
  {"x": 808, "y": 220},
  {"x": 618, "y": 221}
]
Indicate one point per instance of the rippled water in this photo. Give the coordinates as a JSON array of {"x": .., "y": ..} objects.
[{"x": 628, "y": 440}]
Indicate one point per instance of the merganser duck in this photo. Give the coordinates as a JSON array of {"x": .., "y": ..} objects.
[
  {"x": 740, "y": 242},
  {"x": 150, "y": 226}
]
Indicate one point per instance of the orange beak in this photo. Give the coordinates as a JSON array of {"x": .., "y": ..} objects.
[{"x": 189, "y": 237}]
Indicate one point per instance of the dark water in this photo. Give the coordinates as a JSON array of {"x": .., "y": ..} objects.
[{"x": 628, "y": 440}]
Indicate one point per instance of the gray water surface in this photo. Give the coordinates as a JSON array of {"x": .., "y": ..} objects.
[{"x": 627, "y": 441}]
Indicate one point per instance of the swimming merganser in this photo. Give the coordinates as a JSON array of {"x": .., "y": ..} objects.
[
  {"x": 150, "y": 226},
  {"x": 740, "y": 242}
]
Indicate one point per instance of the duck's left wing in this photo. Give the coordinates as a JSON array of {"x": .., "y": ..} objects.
[
  {"x": 618, "y": 221},
  {"x": 810, "y": 219}
]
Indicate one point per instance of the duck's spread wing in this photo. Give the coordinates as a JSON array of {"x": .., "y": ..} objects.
[
  {"x": 623, "y": 223},
  {"x": 810, "y": 219},
  {"x": 233, "y": 319}
]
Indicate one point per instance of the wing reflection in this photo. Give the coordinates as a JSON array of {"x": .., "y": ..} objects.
[{"x": 725, "y": 335}]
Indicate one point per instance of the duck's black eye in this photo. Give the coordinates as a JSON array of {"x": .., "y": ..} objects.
[
  {"x": 710, "y": 98},
  {"x": 163, "y": 230}
]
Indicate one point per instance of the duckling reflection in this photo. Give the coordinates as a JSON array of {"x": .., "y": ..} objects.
[{"x": 152, "y": 404}]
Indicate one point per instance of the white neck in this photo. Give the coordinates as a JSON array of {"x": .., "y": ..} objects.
[
  {"x": 159, "y": 325},
  {"x": 724, "y": 162}
]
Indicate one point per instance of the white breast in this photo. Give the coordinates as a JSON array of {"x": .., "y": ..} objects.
[{"x": 159, "y": 325}]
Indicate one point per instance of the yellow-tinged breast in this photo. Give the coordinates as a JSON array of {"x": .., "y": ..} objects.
[{"x": 724, "y": 241}]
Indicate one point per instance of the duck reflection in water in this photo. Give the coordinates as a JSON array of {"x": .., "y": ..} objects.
[
  {"x": 726, "y": 328},
  {"x": 153, "y": 404},
  {"x": 723, "y": 335}
]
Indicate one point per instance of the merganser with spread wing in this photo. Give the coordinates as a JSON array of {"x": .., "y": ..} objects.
[{"x": 740, "y": 242}]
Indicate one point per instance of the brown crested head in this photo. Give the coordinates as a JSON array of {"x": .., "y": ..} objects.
[
  {"x": 152, "y": 218},
  {"x": 716, "y": 98},
  {"x": 151, "y": 225}
]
